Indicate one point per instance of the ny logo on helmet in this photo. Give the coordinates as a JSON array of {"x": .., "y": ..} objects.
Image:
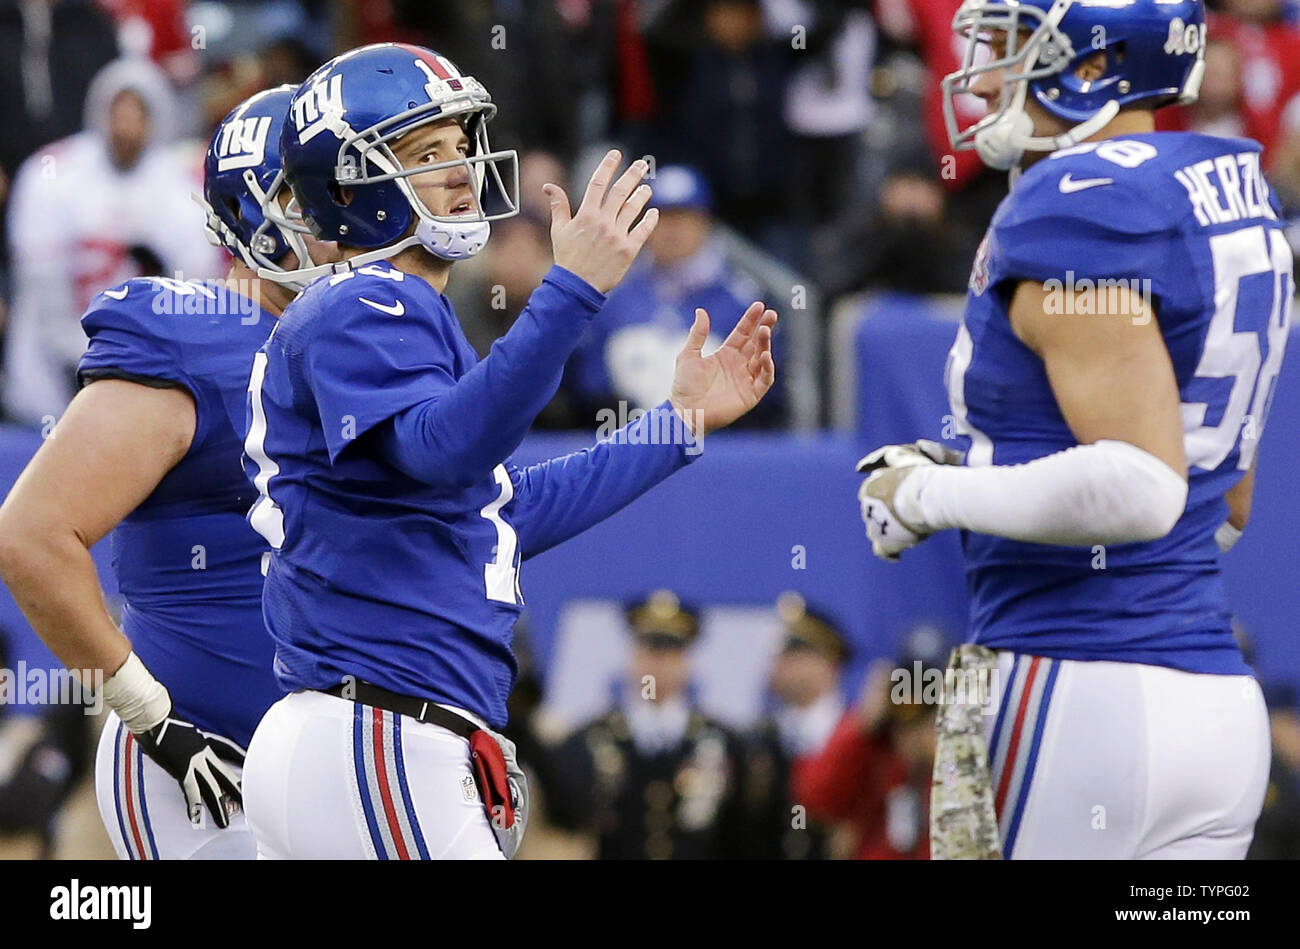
[
  {"x": 243, "y": 143},
  {"x": 318, "y": 109}
]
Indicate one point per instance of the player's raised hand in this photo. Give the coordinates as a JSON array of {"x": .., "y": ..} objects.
[
  {"x": 710, "y": 392},
  {"x": 599, "y": 242}
]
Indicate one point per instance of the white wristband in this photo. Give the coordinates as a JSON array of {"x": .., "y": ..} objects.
[
  {"x": 1226, "y": 537},
  {"x": 1109, "y": 492},
  {"x": 140, "y": 700}
]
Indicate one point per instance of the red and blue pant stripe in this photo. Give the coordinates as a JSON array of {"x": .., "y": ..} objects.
[
  {"x": 381, "y": 784},
  {"x": 129, "y": 798},
  {"x": 1017, "y": 736}
]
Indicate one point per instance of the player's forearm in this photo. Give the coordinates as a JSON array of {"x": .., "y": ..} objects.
[
  {"x": 475, "y": 425},
  {"x": 1108, "y": 492},
  {"x": 558, "y": 499},
  {"x": 52, "y": 579}
]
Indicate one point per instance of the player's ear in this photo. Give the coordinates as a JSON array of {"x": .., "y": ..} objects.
[{"x": 1092, "y": 68}]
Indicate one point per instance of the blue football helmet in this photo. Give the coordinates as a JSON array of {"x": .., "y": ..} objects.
[
  {"x": 347, "y": 181},
  {"x": 1154, "y": 53},
  {"x": 242, "y": 178}
]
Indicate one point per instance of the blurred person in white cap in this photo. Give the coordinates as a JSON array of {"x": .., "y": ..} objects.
[{"x": 89, "y": 212}]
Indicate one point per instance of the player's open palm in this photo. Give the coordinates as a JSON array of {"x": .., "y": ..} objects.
[
  {"x": 599, "y": 242},
  {"x": 712, "y": 391}
]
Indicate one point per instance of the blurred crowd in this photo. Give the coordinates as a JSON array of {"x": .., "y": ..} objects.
[
  {"x": 801, "y": 142},
  {"x": 799, "y": 157}
]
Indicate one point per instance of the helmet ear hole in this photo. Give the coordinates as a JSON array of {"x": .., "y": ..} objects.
[
  {"x": 339, "y": 195},
  {"x": 232, "y": 206}
]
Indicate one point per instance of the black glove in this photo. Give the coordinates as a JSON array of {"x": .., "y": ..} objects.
[{"x": 196, "y": 761}]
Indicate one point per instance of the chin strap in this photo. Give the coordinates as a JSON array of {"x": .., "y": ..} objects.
[
  {"x": 1081, "y": 132},
  {"x": 444, "y": 240},
  {"x": 452, "y": 241},
  {"x": 306, "y": 275},
  {"x": 1005, "y": 142}
]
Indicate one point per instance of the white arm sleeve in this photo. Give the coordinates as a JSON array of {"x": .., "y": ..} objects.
[{"x": 1109, "y": 492}]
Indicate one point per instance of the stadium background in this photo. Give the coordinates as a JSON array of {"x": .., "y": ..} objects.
[{"x": 818, "y": 174}]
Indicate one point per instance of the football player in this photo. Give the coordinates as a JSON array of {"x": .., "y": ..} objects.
[
  {"x": 150, "y": 449},
  {"x": 380, "y": 445},
  {"x": 1124, "y": 326}
]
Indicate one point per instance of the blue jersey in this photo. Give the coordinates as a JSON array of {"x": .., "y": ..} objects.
[
  {"x": 409, "y": 580},
  {"x": 188, "y": 565},
  {"x": 1188, "y": 222}
]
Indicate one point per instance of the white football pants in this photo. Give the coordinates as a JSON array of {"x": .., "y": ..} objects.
[
  {"x": 144, "y": 812},
  {"x": 328, "y": 778},
  {"x": 1121, "y": 761}
]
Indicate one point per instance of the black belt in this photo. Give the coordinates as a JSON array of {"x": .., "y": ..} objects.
[{"x": 422, "y": 710}]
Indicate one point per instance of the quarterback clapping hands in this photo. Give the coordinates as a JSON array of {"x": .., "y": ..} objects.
[{"x": 886, "y": 469}]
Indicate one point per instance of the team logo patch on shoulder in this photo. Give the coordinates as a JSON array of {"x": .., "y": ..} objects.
[{"x": 979, "y": 274}]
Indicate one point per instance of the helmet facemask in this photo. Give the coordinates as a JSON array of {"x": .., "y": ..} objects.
[
  {"x": 493, "y": 176},
  {"x": 293, "y": 232},
  {"x": 263, "y": 253}
]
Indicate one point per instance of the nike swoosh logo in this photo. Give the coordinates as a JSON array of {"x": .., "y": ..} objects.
[
  {"x": 397, "y": 309},
  {"x": 117, "y": 294},
  {"x": 1070, "y": 185}
]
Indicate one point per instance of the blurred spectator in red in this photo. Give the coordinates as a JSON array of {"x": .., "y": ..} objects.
[
  {"x": 874, "y": 772},
  {"x": 88, "y": 212},
  {"x": 928, "y": 25},
  {"x": 629, "y": 353},
  {"x": 1269, "y": 50},
  {"x": 808, "y": 705},
  {"x": 157, "y": 29},
  {"x": 1277, "y": 833}
]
